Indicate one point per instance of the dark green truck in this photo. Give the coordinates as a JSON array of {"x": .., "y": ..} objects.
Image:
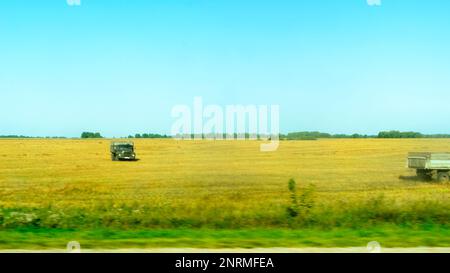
[{"x": 122, "y": 151}]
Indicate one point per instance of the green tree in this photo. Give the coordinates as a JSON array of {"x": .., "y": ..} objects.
[{"x": 91, "y": 135}]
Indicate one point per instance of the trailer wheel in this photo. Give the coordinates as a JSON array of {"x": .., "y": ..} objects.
[{"x": 443, "y": 177}]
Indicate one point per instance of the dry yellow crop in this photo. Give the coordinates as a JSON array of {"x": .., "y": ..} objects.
[{"x": 229, "y": 183}]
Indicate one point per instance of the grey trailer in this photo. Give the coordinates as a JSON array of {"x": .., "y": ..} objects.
[{"x": 429, "y": 165}]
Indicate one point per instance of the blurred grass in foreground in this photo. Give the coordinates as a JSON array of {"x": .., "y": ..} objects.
[{"x": 387, "y": 236}]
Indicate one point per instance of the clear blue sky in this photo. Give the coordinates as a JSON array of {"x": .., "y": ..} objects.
[{"x": 118, "y": 66}]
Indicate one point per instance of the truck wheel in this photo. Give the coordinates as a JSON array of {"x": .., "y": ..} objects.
[
  {"x": 443, "y": 177},
  {"x": 113, "y": 157}
]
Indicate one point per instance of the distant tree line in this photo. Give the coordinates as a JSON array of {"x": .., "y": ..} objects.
[
  {"x": 398, "y": 134},
  {"x": 148, "y": 136},
  {"x": 305, "y": 135},
  {"x": 91, "y": 135},
  {"x": 383, "y": 134},
  {"x": 15, "y": 136},
  {"x": 21, "y": 136},
  {"x": 437, "y": 136},
  {"x": 316, "y": 135},
  {"x": 222, "y": 136}
]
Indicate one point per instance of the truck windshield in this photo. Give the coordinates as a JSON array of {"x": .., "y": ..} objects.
[{"x": 125, "y": 147}]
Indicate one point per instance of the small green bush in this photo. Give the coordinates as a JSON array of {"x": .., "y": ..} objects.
[{"x": 300, "y": 205}]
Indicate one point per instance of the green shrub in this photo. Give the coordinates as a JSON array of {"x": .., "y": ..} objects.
[{"x": 300, "y": 205}]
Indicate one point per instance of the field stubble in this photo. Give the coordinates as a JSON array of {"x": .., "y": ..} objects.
[{"x": 216, "y": 184}]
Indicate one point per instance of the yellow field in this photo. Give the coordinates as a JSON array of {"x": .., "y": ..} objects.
[
  {"x": 204, "y": 181},
  {"x": 35, "y": 172},
  {"x": 221, "y": 173}
]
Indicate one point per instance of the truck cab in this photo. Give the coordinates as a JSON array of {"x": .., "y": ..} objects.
[{"x": 122, "y": 151}]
